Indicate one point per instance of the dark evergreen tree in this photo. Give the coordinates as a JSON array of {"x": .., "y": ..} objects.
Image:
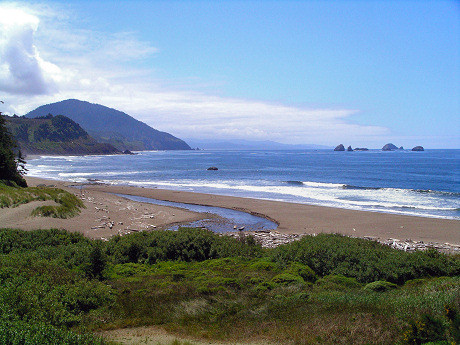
[{"x": 11, "y": 168}]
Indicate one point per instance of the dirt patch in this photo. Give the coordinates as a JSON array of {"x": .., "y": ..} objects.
[{"x": 158, "y": 336}]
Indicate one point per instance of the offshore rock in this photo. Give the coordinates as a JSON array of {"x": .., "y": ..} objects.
[
  {"x": 212, "y": 168},
  {"x": 340, "y": 148},
  {"x": 401, "y": 148},
  {"x": 349, "y": 148},
  {"x": 389, "y": 147},
  {"x": 361, "y": 149},
  {"x": 418, "y": 148}
]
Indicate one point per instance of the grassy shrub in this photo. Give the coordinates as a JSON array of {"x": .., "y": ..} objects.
[
  {"x": 380, "y": 286},
  {"x": 337, "y": 282},
  {"x": 69, "y": 204},
  {"x": 426, "y": 329},
  {"x": 367, "y": 261},
  {"x": 185, "y": 244},
  {"x": 264, "y": 265},
  {"x": 14, "y": 333},
  {"x": 287, "y": 279},
  {"x": 303, "y": 271},
  {"x": 42, "y": 291},
  {"x": 18, "y": 240}
]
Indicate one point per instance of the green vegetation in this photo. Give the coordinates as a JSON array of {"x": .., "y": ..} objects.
[
  {"x": 201, "y": 285},
  {"x": 11, "y": 165},
  {"x": 69, "y": 204},
  {"x": 54, "y": 135},
  {"x": 367, "y": 261}
]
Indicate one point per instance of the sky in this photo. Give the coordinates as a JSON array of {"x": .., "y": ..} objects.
[{"x": 361, "y": 73}]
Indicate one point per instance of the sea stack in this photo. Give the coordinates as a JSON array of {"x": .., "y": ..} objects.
[
  {"x": 349, "y": 148},
  {"x": 340, "y": 148},
  {"x": 389, "y": 147},
  {"x": 418, "y": 148}
]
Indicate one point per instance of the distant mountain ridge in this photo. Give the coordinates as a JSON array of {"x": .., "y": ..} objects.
[
  {"x": 112, "y": 126},
  {"x": 215, "y": 144},
  {"x": 54, "y": 135}
]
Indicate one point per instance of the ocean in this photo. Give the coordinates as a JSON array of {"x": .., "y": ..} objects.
[{"x": 403, "y": 182}]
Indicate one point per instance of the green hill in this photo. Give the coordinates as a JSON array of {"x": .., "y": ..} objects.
[
  {"x": 112, "y": 126},
  {"x": 54, "y": 135}
]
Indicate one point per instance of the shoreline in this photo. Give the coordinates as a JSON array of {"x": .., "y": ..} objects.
[{"x": 296, "y": 219}]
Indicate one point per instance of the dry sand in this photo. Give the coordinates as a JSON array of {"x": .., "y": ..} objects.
[
  {"x": 105, "y": 214},
  {"x": 103, "y": 208}
]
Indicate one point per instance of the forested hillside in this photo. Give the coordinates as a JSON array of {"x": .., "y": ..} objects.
[{"x": 54, "y": 135}]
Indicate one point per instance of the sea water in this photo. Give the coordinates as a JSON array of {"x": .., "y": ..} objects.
[{"x": 404, "y": 182}]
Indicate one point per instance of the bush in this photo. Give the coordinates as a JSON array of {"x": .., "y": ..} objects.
[
  {"x": 18, "y": 240},
  {"x": 287, "y": 279},
  {"x": 303, "y": 271},
  {"x": 186, "y": 244},
  {"x": 14, "y": 333},
  {"x": 380, "y": 286},
  {"x": 263, "y": 265},
  {"x": 426, "y": 329},
  {"x": 367, "y": 261},
  {"x": 338, "y": 282}
]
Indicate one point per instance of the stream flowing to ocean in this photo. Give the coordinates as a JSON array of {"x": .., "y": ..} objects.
[
  {"x": 227, "y": 220},
  {"x": 403, "y": 182}
]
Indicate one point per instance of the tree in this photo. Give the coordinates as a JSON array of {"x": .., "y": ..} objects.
[{"x": 11, "y": 168}]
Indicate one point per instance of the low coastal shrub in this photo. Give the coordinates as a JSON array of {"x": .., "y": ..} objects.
[
  {"x": 69, "y": 204},
  {"x": 380, "y": 286},
  {"x": 287, "y": 279},
  {"x": 303, "y": 271},
  {"x": 186, "y": 244},
  {"x": 337, "y": 282},
  {"x": 205, "y": 286},
  {"x": 19, "y": 332},
  {"x": 367, "y": 261},
  {"x": 18, "y": 240}
]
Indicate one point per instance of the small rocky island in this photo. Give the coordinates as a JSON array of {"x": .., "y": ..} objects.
[{"x": 389, "y": 147}]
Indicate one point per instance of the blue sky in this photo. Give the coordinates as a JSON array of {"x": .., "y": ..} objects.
[{"x": 361, "y": 73}]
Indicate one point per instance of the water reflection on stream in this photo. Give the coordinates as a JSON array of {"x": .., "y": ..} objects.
[{"x": 220, "y": 220}]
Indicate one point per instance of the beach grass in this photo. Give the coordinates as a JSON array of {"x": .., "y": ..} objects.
[
  {"x": 69, "y": 204},
  {"x": 201, "y": 286}
]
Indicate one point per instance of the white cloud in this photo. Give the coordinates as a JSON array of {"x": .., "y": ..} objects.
[
  {"x": 22, "y": 70},
  {"x": 101, "y": 68}
]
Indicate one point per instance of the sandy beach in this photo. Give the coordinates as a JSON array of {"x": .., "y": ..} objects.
[{"x": 107, "y": 214}]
